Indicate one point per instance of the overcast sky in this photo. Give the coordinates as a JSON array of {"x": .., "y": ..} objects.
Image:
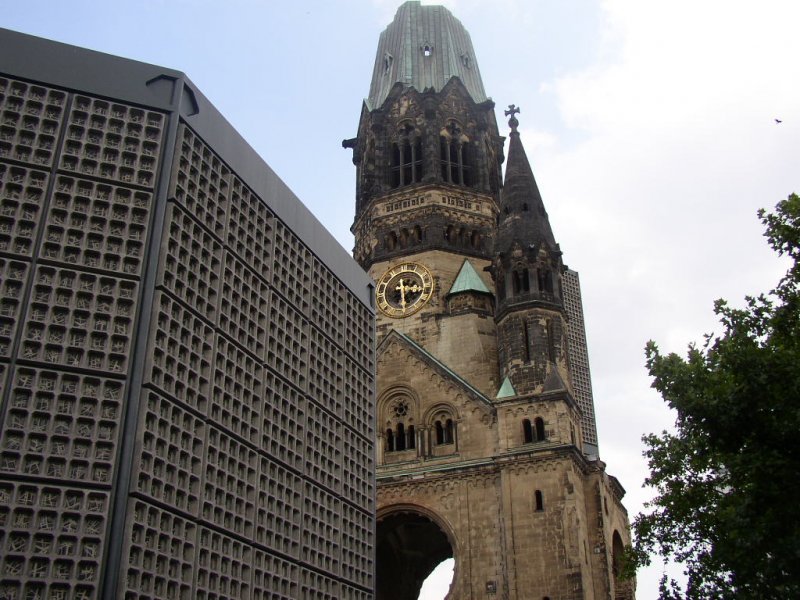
[{"x": 650, "y": 127}]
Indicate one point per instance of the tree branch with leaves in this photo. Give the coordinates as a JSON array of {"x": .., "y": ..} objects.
[{"x": 727, "y": 480}]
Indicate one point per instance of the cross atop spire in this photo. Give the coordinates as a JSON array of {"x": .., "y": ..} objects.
[{"x": 512, "y": 122}]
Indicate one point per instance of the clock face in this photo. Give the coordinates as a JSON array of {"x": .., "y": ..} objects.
[{"x": 404, "y": 289}]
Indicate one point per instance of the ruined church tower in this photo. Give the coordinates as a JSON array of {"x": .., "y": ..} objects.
[{"x": 487, "y": 450}]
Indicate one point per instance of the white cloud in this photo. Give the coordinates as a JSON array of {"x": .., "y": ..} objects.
[{"x": 669, "y": 149}]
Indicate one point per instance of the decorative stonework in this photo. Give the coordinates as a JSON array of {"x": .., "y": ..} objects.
[{"x": 502, "y": 484}]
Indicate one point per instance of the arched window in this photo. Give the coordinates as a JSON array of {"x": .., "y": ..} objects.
[
  {"x": 449, "y": 432},
  {"x": 400, "y": 414},
  {"x": 527, "y": 431},
  {"x": 416, "y": 234},
  {"x": 454, "y": 156},
  {"x": 442, "y": 426},
  {"x": 444, "y": 432},
  {"x": 475, "y": 240},
  {"x": 520, "y": 280},
  {"x": 545, "y": 277},
  {"x": 391, "y": 241},
  {"x": 406, "y": 167},
  {"x": 539, "y": 500},
  {"x": 538, "y": 424},
  {"x": 389, "y": 440},
  {"x": 401, "y": 437}
]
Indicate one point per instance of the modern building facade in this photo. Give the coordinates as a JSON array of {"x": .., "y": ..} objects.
[
  {"x": 487, "y": 448},
  {"x": 186, "y": 355},
  {"x": 578, "y": 353}
]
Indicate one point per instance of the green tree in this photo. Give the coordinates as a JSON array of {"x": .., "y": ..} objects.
[{"x": 727, "y": 481}]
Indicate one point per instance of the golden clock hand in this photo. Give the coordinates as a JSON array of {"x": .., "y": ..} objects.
[{"x": 402, "y": 289}]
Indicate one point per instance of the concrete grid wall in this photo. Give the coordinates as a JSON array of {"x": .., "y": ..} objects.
[{"x": 185, "y": 386}]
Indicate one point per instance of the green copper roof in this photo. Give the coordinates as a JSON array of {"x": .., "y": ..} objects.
[
  {"x": 506, "y": 390},
  {"x": 424, "y": 47},
  {"x": 468, "y": 280}
]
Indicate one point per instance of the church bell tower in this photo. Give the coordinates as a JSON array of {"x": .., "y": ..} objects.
[{"x": 481, "y": 452}]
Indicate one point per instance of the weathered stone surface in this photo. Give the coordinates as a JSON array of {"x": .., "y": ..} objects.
[{"x": 504, "y": 485}]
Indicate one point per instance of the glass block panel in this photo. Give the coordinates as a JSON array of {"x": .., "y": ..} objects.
[
  {"x": 323, "y": 455},
  {"x": 274, "y": 578},
  {"x": 287, "y": 347},
  {"x": 13, "y": 284},
  {"x": 325, "y": 383},
  {"x": 97, "y": 225},
  {"x": 180, "y": 353},
  {"x": 224, "y": 567},
  {"x": 112, "y": 141},
  {"x": 243, "y": 306},
  {"x": 321, "y": 545},
  {"x": 237, "y": 403},
  {"x": 169, "y": 462},
  {"x": 159, "y": 554},
  {"x": 53, "y": 540},
  {"x": 80, "y": 319},
  {"x": 279, "y": 508},
  {"x": 284, "y": 422},
  {"x": 190, "y": 262},
  {"x": 250, "y": 225},
  {"x": 62, "y": 426},
  {"x": 201, "y": 182},
  {"x": 31, "y": 116},
  {"x": 22, "y": 199},
  {"x": 292, "y": 268},
  {"x": 229, "y": 483}
]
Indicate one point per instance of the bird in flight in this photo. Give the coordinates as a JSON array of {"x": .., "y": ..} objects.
[{"x": 778, "y": 121}]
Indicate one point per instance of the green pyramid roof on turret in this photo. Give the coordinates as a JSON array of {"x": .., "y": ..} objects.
[
  {"x": 468, "y": 280},
  {"x": 506, "y": 390}
]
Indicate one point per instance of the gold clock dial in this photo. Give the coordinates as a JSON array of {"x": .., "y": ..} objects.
[{"x": 404, "y": 289}]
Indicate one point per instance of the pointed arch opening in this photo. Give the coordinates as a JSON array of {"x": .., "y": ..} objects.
[
  {"x": 406, "y": 164},
  {"x": 455, "y": 156}
]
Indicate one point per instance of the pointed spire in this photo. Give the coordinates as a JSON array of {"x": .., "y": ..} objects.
[{"x": 522, "y": 213}]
